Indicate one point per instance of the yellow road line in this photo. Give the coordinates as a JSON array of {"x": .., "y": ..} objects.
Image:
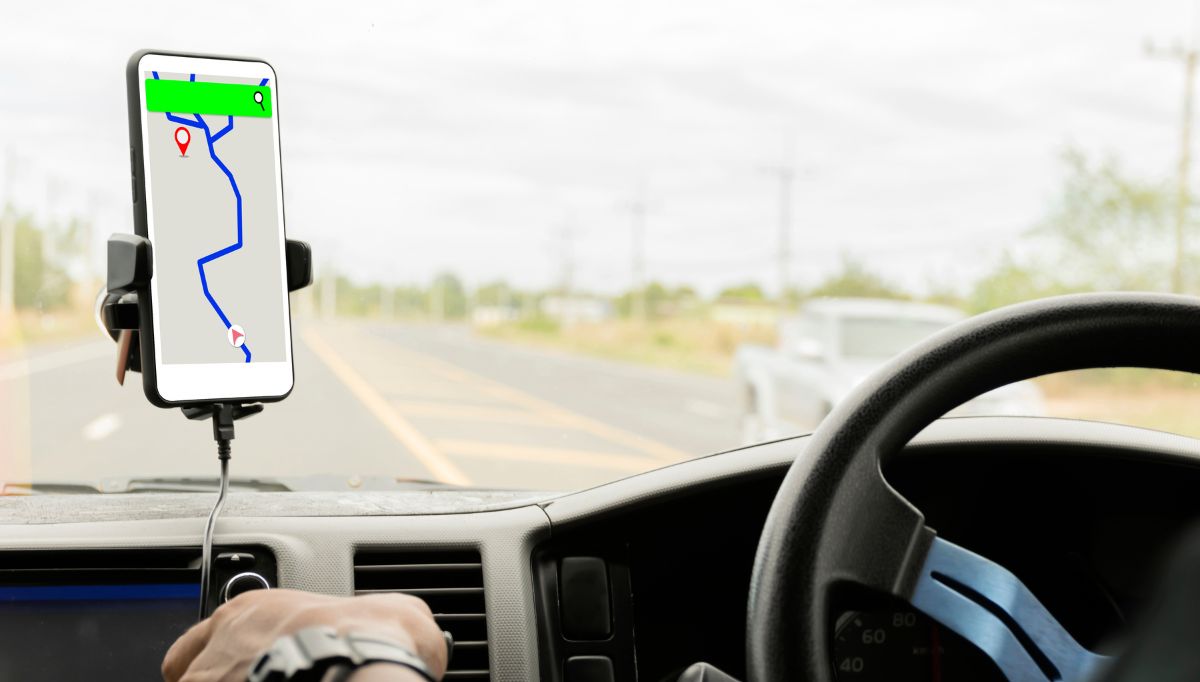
[
  {"x": 545, "y": 455},
  {"x": 448, "y": 410},
  {"x": 550, "y": 410},
  {"x": 437, "y": 463}
]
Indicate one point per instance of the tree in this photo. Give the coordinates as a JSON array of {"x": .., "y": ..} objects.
[
  {"x": 1107, "y": 230},
  {"x": 495, "y": 294},
  {"x": 354, "y": 300},
  {"x": 661, "y": 300},
  {"x": 1012, "y": 282},
  {"x": 448, "y": 297},
  {"x": 854, "y": 280},
  {"x": 410, "y": 300},
  {"x": 37, "y": 282},
  {"x": 748, "y": 292}
]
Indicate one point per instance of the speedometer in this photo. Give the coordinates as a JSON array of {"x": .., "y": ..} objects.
[{"x": 901, "y": 645}]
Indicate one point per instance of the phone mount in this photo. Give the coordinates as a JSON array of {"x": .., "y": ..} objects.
[{"x": 129, "y": 271}]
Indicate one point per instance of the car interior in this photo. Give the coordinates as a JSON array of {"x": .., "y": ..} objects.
[{"x": 556, "y": 344}]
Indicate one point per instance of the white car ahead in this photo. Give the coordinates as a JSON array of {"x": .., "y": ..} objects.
[{"x": 830, "y": 346}]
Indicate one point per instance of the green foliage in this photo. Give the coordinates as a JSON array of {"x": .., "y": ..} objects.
[
  {"x": 448, "y": 297},
  {"x": 408, "y": 301},
  {"x": 749, "y": 292},
  {"x": 539, "y": 324},
  {"x": 664, "y": 338},
  {"x": 854, "y": 280},
  {"x": 362, "y": 300},
  {"x": 1010, "y": 283},
  {"x": 69, "y": 241},
  {"x": 496, "y": 294},
  {"x": 661, "y": 300},
  {"x": 355, "y": 300},
  {"x": 37, "y": 282},
  {"x": 1107, "y": 230}
]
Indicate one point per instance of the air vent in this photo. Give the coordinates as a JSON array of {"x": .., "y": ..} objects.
[
  {"x": 451, "y": 583},
  {"x": 54, "y": 567}
]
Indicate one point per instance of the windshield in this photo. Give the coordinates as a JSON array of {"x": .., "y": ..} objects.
[
  {"x": 873, "y": 338},
  {"x": 554, "y": 242}
]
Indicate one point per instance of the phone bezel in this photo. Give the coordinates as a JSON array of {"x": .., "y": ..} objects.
[{"x": 171, "y": 385}]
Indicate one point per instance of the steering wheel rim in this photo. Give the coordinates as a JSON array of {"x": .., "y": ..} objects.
[{"x": 835, "y": 520}]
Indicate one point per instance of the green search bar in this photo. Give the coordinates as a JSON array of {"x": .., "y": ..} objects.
[{"x": 225, "y": 99}]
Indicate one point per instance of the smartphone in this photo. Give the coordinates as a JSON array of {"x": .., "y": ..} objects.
[{"x": 208, "y": 194}]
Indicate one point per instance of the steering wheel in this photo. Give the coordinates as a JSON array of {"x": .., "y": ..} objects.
[{"x": 836, "y": 521}]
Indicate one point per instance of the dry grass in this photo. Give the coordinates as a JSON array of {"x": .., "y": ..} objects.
[
  {"x": 1166, "y": 401},
  {"x": 691, "y": 345}
]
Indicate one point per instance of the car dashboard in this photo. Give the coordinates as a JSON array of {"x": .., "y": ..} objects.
[{"x": 632, "y": 580}]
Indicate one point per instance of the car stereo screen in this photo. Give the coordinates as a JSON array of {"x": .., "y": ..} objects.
[{"x": 91, "y": 632}]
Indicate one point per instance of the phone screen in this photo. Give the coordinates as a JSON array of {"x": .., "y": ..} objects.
[{"x": 214, "y": 215}]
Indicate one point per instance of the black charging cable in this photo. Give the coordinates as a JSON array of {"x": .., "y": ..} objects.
[
  {"x": 223, "y": 416},
  {"x": 222, "y": 423}
]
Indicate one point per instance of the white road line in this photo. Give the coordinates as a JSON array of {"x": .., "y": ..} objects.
[
  {"x": 24, "y": 367},
  {"x": 102, "y": 427}
]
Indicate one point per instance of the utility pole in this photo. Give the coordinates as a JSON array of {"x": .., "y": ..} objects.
[
  {"x": 48, "y": 235},
  {"x": 637, "y": 211},
  {"x": 329, "y": 293},
  {"x": 785, "y": 174},
  {"x": 566, "y": 255},
  {"x": 1188, "y": 57},
  {"x": 8, "y": 230},
  {"x": 438, "y": 294},
  {"x": 387, "y": 301},
  {"x": 96, "y": 207}
]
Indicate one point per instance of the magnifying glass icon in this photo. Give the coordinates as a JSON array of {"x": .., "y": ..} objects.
[{"x": 258, "y": 99}]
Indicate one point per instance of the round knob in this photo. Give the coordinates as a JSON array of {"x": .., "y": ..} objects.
[{"x": 243, "y": 582}]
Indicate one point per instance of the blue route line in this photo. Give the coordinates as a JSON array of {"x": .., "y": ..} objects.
[{"x": 211, "y": 139}]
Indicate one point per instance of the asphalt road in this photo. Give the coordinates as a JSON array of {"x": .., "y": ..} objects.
[{"x": 405, "y": 401}]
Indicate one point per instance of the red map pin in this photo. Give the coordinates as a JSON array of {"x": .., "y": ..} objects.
[{"x": 182, "y": 138}]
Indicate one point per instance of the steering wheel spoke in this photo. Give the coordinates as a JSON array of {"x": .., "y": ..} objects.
[{"x": 990, "y": 607}]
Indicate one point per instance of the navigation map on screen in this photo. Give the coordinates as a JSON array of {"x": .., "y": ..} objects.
[{"x": 214, "y": 209}]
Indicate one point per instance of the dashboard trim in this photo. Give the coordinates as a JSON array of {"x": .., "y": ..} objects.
[
  {"x": 774, "y": 458},
  {"x": 316, "y": 553}
]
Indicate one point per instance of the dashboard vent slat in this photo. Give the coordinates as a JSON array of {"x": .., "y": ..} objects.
[
  {"x": 104, "y": 567},
  {"x": 451, "y": 583}
]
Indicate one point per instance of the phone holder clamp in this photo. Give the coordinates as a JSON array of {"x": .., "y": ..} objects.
[{"x": 129, "y": 271}]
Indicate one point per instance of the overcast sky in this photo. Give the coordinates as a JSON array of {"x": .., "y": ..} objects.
[{"x": 420, "y": 136}]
